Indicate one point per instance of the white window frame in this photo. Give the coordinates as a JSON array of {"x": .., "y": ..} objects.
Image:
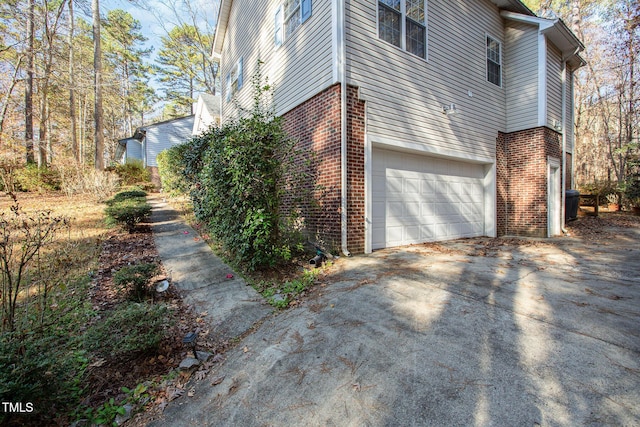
[
  {"x": 304, "y": 10},
  {"x": 403, "y": 27},
  {"x": 487, "y": 58},
  {"x": 235, "y": 79}
]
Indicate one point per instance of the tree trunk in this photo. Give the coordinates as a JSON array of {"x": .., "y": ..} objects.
[
  {"x": 42, "y": 139},
  {"x": 97, "y": 67},
  {"x": 72, "y": 93},
  {"x": 28, "y": 97}
]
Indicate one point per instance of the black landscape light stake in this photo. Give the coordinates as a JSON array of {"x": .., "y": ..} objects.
[{"x": 191, "y": 338}]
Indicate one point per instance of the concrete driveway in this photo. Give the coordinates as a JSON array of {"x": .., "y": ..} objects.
[{"x": 481, "y": 332}]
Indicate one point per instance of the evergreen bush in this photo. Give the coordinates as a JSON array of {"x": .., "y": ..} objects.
[
  {"x": 128, "y": 208},
  {"x": 170, "y": 164},
  {"x": 130, "y": 330},
  {"x": 237, "y": 176},
  {"x": 32, "y": 178},
  {"x": 134, "y": 280},
  {"x": 132, "y": 172}
]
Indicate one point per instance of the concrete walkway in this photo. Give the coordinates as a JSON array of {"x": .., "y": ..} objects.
[
  {"x": 233, "y": 307},
  {"x": 475, "y": 332}
]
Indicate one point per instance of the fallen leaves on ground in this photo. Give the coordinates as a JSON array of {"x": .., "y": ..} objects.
[{"x": 120, "y": 249}]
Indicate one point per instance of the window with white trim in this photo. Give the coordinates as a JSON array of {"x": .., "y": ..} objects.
[
  {"x": 289, "y": 16},
  {"x": 234, "y": 79},
  {"x": 403, "y": 23},
  {"x": 494, "y": 61}
]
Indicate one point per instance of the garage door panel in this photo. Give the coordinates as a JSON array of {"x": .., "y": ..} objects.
[
  {"x": 395, "y": 210},
  {"x": 394, "y": 185},
  {"x": 427, "y": 187},
  {"x": 472, "y": 211},
  {"x": 412, "y": 210},
  {"x": 427, "y": 232},
  {"x": 427, "y": 211},
  {"x": 394, "y": 235},
  {"x": 418, "y": 199},
  {"x": 412, "y": 186}
]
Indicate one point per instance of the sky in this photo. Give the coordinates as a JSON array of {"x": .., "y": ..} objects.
[{"x": 157, "y": 19}]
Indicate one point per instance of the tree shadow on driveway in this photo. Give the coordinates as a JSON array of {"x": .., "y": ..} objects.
[{"x": 468, "y": 332}]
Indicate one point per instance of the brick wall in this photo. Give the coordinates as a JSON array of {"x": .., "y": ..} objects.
[
  {"x": 521, "y": 168},
  {"x": 315, "y": 125},
  {"x": 355, "y": 171},
  {"x": 502, "y": 185}
]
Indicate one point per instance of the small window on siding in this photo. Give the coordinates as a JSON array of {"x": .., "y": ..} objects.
[
  {"x": 494, "y": 61},
  {"x": 403, "y": 24},
  {"x": 235, "y": 79},
  {"x": 289, "y": 16}
]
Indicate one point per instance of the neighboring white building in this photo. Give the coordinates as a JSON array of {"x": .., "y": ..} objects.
[
  {"x": 148, "y": 141},
  {"x": 432, "y": 119},
  {"x": 207, "y": 113}
]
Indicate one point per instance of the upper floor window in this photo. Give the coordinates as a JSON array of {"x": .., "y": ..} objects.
[
  {"x": 403, "y": 24},
  {"x": 289, "y": 16},
  {"x": 235, "y": 79},
  {"x": 494, "y": 61}
]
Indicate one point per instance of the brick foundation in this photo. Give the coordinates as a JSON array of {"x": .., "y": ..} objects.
[
  {"x": 355, "y": 171},
  {"x": 521, "y": 169},
  {"x": 315, "y": 125}
]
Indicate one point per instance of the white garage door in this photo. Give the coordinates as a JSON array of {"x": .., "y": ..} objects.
[{"x": 417, "y": 199}]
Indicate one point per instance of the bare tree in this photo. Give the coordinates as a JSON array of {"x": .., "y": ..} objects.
[
  {"x": 72, "y": 91},
  {"x": 4, "y": 106},
  {"x": 50, "y": 27},
  {"x": 97, "y": 69},
  {"x": 28, "y": 97}
]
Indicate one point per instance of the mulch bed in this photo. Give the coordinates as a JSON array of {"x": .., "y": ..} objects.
[{"x": 107, "y": 377}]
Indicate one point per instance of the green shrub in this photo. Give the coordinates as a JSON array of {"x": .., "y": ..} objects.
[
  {"x": 170, "y": 167},
  {"x": 132, "y": 172},
  {"x": 46, "y": 365},
  {"x": 134, "y": 279},
  {"x": 632, "y": 190},
  {"x": 129, "y": 194},
  {"x": 128, "y": 212},
  {"x": 42, "y": 370},
  {"x": 237, "y": 175},
  {"x": 603, "y": 189},
  {"x": 31, "y": 178},
  {"x": 130, "y": 330}
]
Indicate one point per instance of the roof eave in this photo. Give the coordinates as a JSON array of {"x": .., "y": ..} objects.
[
  {"x": 555, "y": 29},
  {"x": 513, "y": 6},
  {"x": 221, "y": 27}
]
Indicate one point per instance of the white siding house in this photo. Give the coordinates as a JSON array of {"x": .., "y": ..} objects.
[
  {"x": 417, "y": 110},
  {"x": 148, "y": 141},
  {"x": 207, "y": 112}
]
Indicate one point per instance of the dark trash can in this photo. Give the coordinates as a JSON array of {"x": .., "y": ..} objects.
[{"x": 571, "y": 202}]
